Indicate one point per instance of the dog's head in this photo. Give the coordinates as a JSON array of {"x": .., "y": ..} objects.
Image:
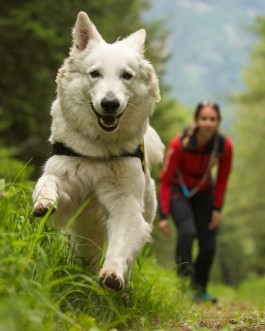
[{"x": 107, "y": 82}]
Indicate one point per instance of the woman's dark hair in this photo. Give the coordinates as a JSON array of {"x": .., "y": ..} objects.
[{"x": 203, "y": 104}]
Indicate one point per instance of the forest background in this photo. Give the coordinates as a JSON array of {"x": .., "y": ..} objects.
[{"x": 35, "y": 38}]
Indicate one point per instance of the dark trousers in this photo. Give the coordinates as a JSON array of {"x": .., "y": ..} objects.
[{"x": 191, "y": 217}]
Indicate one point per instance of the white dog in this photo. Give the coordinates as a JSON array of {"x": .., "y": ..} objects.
[{"x": 98, "y": 180}]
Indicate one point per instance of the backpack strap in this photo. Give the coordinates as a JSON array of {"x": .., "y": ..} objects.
[{"x": 190, "y": 193}]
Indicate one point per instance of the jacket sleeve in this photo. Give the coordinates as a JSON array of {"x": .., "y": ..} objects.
[
  {"x": 224, "y": 169},
  {"x": 167, "y": 176}
]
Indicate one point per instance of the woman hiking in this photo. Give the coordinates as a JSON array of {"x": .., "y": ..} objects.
[{"x": 190, "y": 195}]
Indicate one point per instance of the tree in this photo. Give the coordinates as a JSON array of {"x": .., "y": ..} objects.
[{"x": 245, "y": 202}]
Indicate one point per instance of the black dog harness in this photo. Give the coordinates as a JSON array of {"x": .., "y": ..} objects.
[{"x": 61, "y": 149}]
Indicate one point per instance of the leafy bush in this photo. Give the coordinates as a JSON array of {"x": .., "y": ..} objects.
[{"x": 12, "y": 169}]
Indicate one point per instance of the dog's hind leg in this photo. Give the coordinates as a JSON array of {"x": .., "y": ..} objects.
[
  {"x": 45, "y": 195},
  {"x": 89, "y": 238}
]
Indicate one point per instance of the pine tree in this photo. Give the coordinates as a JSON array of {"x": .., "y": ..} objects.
[{"x": 245, "y": 202}]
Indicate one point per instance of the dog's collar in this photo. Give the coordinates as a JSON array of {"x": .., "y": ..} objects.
[{"x": 61, "y": 149}]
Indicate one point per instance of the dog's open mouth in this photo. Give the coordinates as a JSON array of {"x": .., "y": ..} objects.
[{"x": 108, "y": 122}]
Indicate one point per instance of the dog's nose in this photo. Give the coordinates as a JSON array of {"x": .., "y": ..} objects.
[{"x": 110, "y": 105}]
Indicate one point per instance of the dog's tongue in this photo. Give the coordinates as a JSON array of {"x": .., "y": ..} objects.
[{"x": 109, "y": 119}]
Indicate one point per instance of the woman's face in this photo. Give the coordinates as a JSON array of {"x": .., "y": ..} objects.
[{"x": 208, "y": 121}]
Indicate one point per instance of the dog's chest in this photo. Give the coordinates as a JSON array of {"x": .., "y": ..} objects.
[
  {"x": 82, "y": 178},
  {"x": 93, "y": 187}
]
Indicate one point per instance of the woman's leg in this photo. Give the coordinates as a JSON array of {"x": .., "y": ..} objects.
[
  {"x": 202, "y": 207},
  {"x": 182, "y": 215}
]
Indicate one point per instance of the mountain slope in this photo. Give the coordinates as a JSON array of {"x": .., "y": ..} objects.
[{"x": 209, "y": 45}]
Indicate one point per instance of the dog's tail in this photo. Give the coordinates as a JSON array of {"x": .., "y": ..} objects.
[{"x": 154, "y": 148}]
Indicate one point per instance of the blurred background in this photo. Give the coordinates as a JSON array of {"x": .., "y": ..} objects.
[{"x": 200, "y": 49}]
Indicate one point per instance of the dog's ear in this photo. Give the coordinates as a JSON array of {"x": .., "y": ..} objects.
[
  {"x": 148, "y": 75},
  {"x": 84, "y": 31},
  {"x": 136, "y": 40}
]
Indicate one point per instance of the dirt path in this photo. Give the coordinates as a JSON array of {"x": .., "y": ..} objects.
[{"x": 237, "y": 317}]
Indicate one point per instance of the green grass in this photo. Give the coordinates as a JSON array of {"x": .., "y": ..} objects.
[
  {"x": 42, "y": 286},
  {"x": 253, "y": 290}
]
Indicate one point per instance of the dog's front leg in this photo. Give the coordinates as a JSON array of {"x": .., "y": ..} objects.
[
  {"x": 45, "y": 195},
  {"x": 127, "y": 233}
]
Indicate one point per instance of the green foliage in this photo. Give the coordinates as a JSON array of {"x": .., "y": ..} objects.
[
  {"x": 174, "y": 114},
  {"x": 244, "y": 215},
  {"x": 252, "y": 290},
  {"x": 11, "y": 168}
]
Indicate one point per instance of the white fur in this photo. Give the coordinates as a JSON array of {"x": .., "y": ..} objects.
[{"x": 112, "y": 198}]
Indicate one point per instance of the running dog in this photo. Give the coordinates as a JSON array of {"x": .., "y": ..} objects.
[{"x": 97, "y": 182}]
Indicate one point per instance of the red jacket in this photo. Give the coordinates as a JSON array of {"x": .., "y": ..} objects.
[{"x": 192, "y": 162}]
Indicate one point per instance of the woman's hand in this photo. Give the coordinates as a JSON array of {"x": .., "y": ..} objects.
[
  {"x": 215, "y": 221},
  {"x": 164, "y": 226}
]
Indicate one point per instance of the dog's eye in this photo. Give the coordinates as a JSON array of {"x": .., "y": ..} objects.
[
  {"x": 127, "y": 76},
  {"x": 94, "y": 74}
]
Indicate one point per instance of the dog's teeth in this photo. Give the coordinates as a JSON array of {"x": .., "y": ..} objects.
[{"x": 109, "y": 124}]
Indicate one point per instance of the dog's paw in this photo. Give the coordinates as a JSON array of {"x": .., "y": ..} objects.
[
  {"x": 111, "y": 281},
  {"x": 42, "y": 207}
]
